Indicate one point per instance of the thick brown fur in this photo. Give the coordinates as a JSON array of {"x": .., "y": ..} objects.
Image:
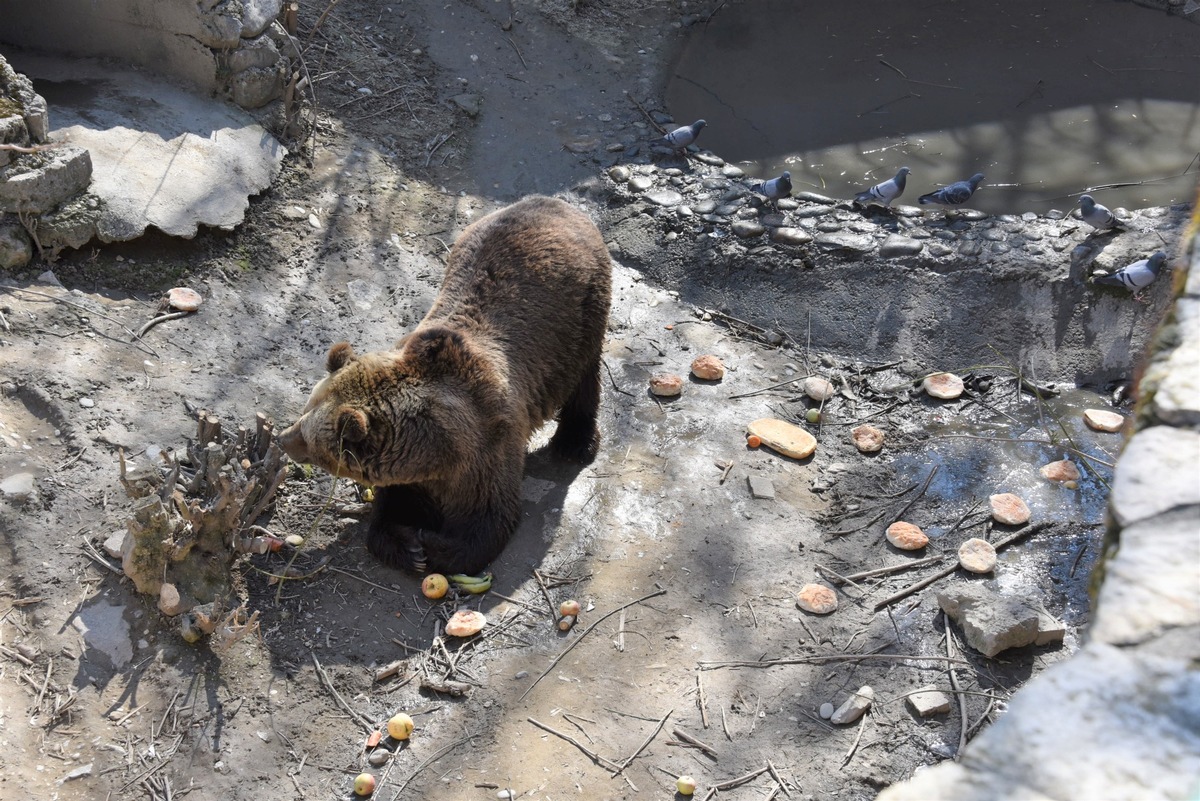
[{"x": 439, "y": 425}]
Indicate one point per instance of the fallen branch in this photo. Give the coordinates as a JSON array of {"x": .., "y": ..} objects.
[
  {"x": 883, "y": 571},
  {"x": 962, "y": 701},
  {"x": 599, "y": 760},
  {"x": 854, "y": 747},
  {"x": 351, "y": 711},
  {"x": 162, "y": 318},
  {"x": 645, "y": 743},
  {"x": 585, "y": 633},
  {"x": 441, "y": 752},
  {"x": 690, "y": 740},
  {"x": 13, "y": 148},
  {"x": 821, "y": 659}
]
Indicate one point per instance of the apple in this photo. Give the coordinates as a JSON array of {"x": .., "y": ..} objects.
[
  {"x": 400, "y": 726},
  {"x": 435, "y": 586},
  {"x": 364, "y": 784},
  {"x": 570, "y": 607},
  {"x": 686, "y": 785}
]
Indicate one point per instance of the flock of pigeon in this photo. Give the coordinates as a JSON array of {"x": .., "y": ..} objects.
[{"x": 1134, "y": 277}]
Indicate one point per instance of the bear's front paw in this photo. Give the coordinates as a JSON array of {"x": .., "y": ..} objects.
[{"x": 398, "y": 547}]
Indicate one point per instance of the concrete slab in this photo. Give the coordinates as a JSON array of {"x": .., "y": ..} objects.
[{"x": 161, "y": 156}]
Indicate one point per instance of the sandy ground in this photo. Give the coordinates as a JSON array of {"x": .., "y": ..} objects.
[{"x": 349, "y": 245}]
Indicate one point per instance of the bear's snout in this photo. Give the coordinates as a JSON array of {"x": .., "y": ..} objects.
[{"x": 293, "y": 444}]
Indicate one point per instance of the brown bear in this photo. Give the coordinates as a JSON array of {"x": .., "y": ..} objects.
[{"x": 440, "y": 423}]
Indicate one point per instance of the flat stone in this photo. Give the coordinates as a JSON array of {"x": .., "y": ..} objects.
[
  {"x": 664, "y": 197},
  {"x": 790, "y": 236},
  {"x": 747, "y": 229},
  {"x": 36, "y": 183},
  {"x": 761, "y": 488},
  {"x": 906, "y": 536},
  {"x": 977, "y": 556},
  {"x": 1061, "y": 471},
  {"x": 859, "y": 243},
  {"x": 198, "y": 158},
  {"x": 854, "y": 706},
  {"x": 1103, "y": 420},
  {"x": 1156, "y": 472},
  {"x": 817, "y": 598},
  {"x": 17, "y": 487},
  {"x": 928, "y": 701},
  {"x": 640, "y": 183},
  {"x": 783, "y": 437},
  {"x": 991, "y": 622},
  {"x": 867, "y": 438},
  {"x": 897, "y": 245},
  {"x": 1008, "y": 509},
  {"x": 818, "y": 388}
]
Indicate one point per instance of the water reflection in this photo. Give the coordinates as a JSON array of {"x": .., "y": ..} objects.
[{"x": 1048, "y": 100}]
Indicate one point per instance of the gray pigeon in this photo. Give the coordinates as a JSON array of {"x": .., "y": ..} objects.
[
  {"x": 885, "y": 193},
  {"x": 1138, "y": 275},
  {"x": 955, "y": 194},
  {"x": 775, "y": 188},
  {"x": 681, "y": 138},
  {"x": 1095, "y": 215}
]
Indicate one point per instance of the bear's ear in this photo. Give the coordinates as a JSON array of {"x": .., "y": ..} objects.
[
  {"x": 339, "y": 356},
  {"x": 439, "y": 347},
  {"x": 351, "y": 424}
]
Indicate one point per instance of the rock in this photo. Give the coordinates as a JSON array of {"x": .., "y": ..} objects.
[
  {"x": 867, "y": 438},
  {"x": 761, "y": 488},
  {"x": 666, "y": 385},
  {"x": 170, "y": 602},
  {"x": 990, "y": 621},
  {"x": 813, "y": 197},
  {"x": 87, "y": 403},
  {"x": 906, "y": 536},
  {"x": 818, "y": 388},
  {"x": 1102, "y": 420},
  {"x": 665, "y": 198},
  {"x": 748, "y": 229},
  {"x": 826, "y": 710},
  {"x": 977, "y": 556},
  {"x": 929, "y": 701},
  {"x": 257, "y": 15},
  {"x": 704, "y": 157},
  {"x": 730, "y": 171},
  {"x": 113, "y": 545},
  {"x": 1060, "y": 471},
  {"x": 260, "y": 53},
  {"x": 783, "y": 437},
  {"x": 72, "y": 224},
  {"x": 945, "y": 386},
  {"x": 36, "y": 183},
  {"x": 1156, "y": 473},
  {"x": 17, "y": 487},
  {"x": 817, "y": 598},
  {"x": 858, "y": 243},
  {"x": 619, "y": 174},
  {"x": 379, "y": 757},
  {"x": 16, "y": 249},
  {"x": 640, "y": 183},
  {"x": 1009, "y": 509},
  {"x": 897, "y": 245},
  {"x": 468, "y": 102},
  {"x": 1050, "y": 628},
  {"x": 772, "y": 220},
  {"x": 708, "y": 368},
  {"x": 854, "y": 706},
  {"x": 790, "y": 236}
]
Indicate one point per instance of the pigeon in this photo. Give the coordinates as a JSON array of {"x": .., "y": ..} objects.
[
  {"x": 885, "y": 193},
  {"x": 1095, "y": 215},
  {"x": 955, "y": 194},
  {"x": 1138, "y": 275},
  {"x": 680, "y": 138},
  {"x": 775, "y": 188}
]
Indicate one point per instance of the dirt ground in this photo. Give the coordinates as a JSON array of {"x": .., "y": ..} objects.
[{"x": 101, "y": 698}]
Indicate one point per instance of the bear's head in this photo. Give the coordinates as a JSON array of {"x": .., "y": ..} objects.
[{"x": 391, "y": 417}]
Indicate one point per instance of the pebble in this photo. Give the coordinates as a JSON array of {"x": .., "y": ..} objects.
[
  {"x": 664, "y": 197},
  {"x": 783, "y": 437},
  {"x": 18, "y": 487},
  {"x": 666, "y": 385},
  {"x": 708, "y": 368},
  {"x": 112, "y": 545},
  {"x": 859, "y": 243},
  {"x": 1102, "y": 420},
  {"x": 813, "y": 197},
  {"x": 906, "y": 536},
  {"x": 896, "y": 245},
  {"x": 87, "y": 403},
  {"x": 169, "y": 601},
  {"x": 1061, "y": 471},
  {"x": 705, "y": 207},
  {"x": 709, "y": 159},
  {"x": 826, "y": 710},
  {"x": 867, "y": 438},
  {"x": 379, "y": 757},
  {"x": 816, "y": 598},
  {"x": 790, "y": 236},
  {"x": 946, "y": 386},
  {"x": 640, "y": 183},
  {"x": 854, "y": 706},
  {"x": 1009, "y": 509},
  {"x": 619, "y": 174},
  {"x": 748, "y": 228},
  {"x": 772, "y": 220},
  {"x": 977, "y": 556},
  {"x": 929, "y": 701},
  {"x": 970, "y": 249},
  {"x": 819, "y": 389},
  {"x": 730, "y": 171}
]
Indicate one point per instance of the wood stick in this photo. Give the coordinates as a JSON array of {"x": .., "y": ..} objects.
[
  {"x": 740, "y": 780},
  {"x": 821, "y": 659},
  {"x": 775, "y": 775},
  {"x": 599, "y": 760},
  {"x": 351, "y": 711},
  {"x": 962, "y": 701},
  {"x": 441, "y": 752},
  {"x": 645, "y": 743},
  {"x": 725, "y": 726},
  {"x": 854, "y": 747},
  {"x": 585, "y": 633},
  {"x": 162, "y": 318},
  {"x": 690, "y": 740},
  {"x": 883, "y": 571},
  {"x": 701, "y": 699}
]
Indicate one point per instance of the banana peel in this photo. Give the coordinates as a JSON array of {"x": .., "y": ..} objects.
[{"x": 472, "y": 584}]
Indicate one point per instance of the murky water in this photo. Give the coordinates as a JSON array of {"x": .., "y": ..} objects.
[{"x": 1048, "y": 100}]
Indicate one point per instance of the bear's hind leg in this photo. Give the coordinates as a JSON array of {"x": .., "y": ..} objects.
[
  {"x": 578, "y": 436},
  {"x": 400, "y": 516}
]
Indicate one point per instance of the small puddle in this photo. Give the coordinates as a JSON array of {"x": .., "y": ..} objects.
[{"x": 1047, "y": 100}]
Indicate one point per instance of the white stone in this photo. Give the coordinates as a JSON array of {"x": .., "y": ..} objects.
[
  {"x": 854, "y": 706},
  {"x": 17, "y": 487},
  {"x": 113, "y": 545},
  {"x": 826, "y": 711},
  {"x": 1156, "y": 472},
  {"x": 929, "y": 701},
  {"x": 1176, "y": 400},
  {"x": 990, "y": 622}
]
